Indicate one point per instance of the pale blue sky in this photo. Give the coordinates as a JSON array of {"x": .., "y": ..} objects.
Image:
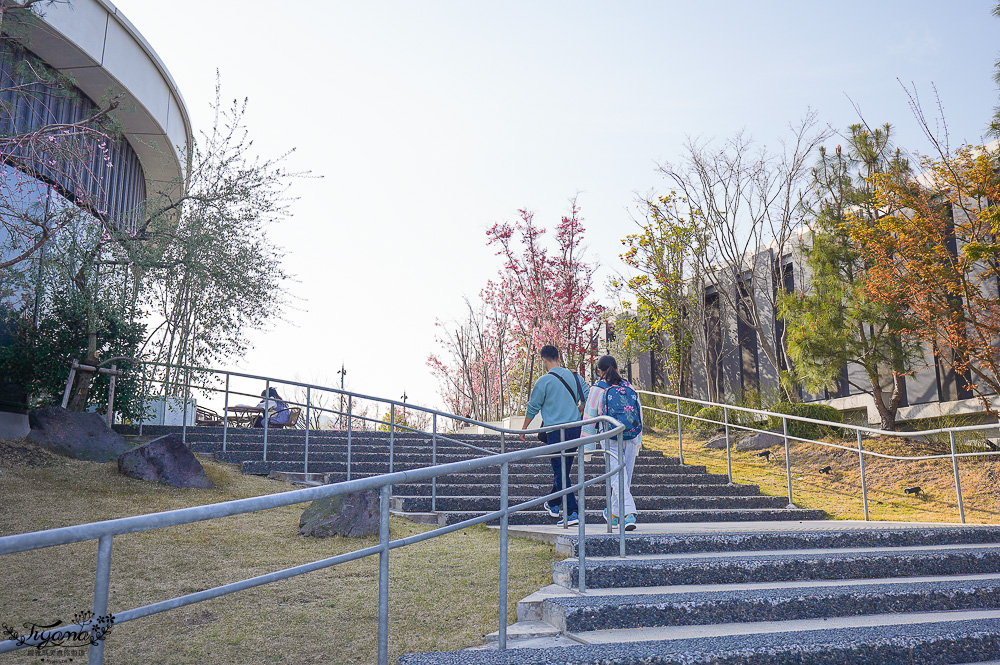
[{"x": 430, "y": 121}]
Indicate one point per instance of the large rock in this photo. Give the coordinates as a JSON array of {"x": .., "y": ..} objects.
[
  {"x": 83, "y": 436},
  {"x": 760, "y": 441},
  {"x": 165, "y": 460},
  {"x": 717, "y": 442},
  {"x": 345, "y": 515}
]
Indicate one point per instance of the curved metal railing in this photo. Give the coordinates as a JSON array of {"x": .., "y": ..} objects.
[
  {"x": 105, "y": 531},
  {"x": 954, "y": 455}
]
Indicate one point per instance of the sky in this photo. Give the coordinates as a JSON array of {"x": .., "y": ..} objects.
[{"x": 428, "y": 122}]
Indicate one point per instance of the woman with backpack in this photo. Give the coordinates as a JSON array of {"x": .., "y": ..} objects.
[{"x": 613, "y": 396}]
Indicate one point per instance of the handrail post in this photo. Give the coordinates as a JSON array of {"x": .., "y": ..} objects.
[
  {"x": 305, "y": 468},
  {"x": 349, "y": 419},
  {"x": 504, "y": 520},
  {"x": 185, "y": 397},
  {"x": 111, "y": 395},
  {"x": 680, "y": 444},
  {"x": 434, "y": 453},
  {"x": 621, "y": 496},
  {"x": 102, "y": 584},
  {"x": 609, "y": 508},
  {"x": 582, "y": 512},
  {"x": 864, "y": 485},
  {"x": 958, "y": 482},
  {"x": 392, "y": 432},
  {"x": 265, "y": 422},
  {"x": 563, "y": 480},
  {"x": 788, "y": 461},
  {"x": 383, "y": 576},
  {"x": 225, "y": 417},
  {"x": 142, "y": 400},
  {"x": 163, "y": 396},
  {"x": 729, "y": 452}
]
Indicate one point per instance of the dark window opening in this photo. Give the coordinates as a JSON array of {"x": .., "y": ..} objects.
[{"x": 747, "y": 339}]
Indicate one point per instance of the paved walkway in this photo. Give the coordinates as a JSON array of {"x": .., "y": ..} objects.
[{"x": 557, "y": 615}]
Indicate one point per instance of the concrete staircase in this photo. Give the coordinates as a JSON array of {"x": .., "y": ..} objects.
[
  {"x": 665, "y": 490},
  {"x": 880, "y": 595}
]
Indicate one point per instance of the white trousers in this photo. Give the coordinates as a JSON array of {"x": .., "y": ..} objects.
[{"x": 631, "y": 451}]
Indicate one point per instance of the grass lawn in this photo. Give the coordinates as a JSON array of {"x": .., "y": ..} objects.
[
  {"x": 839, "y": 492},
  {"x": 444, "y": 592}
]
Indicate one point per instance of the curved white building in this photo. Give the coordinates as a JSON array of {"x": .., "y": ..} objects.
[
  {"x": 105, "y": 55},
  {"x": 93, "y": 42}
]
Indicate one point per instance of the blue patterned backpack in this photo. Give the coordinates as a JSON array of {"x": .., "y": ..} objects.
[{"x": 622, "y": 403}]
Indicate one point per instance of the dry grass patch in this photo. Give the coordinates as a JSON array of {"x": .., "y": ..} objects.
[
  {"x": 444, "y": 592},
  {"x": 839, "y": 492}
]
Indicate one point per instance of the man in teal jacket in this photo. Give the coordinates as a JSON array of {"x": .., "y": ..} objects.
[{"x": 555, "y": 395}]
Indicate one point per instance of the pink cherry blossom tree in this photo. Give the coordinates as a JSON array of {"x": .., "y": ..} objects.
[{"x": 541, "y": 296}]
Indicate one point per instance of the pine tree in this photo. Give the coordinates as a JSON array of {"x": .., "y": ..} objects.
[{"x": 835, "y": 321}]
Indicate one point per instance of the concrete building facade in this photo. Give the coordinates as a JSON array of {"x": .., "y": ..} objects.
[{"x": 729, "y": 353}]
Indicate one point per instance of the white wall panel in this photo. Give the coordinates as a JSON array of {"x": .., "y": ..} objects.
[
  {"x": 130, "y": 65},
  {"x": 83, "y": 23}
]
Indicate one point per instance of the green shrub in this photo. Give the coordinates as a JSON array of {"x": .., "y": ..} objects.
[
  {"x": 656, "y": 420},
  {"x": 807, "y": 430},
  {"x": 710, "y": 412},
  {"x": 736, "y": 418}
]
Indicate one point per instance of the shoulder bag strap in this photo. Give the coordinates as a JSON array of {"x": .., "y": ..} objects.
[{"x": 563, "y": 381}]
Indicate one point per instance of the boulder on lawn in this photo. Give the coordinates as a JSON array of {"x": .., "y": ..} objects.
[
  {"x": 165, "y": 460},
  {"x": 717, "y": 442},
  {"x": 352, "y": 515},
  {"x": 760, "y": 441},
  {"x": 82, "y": 436}
]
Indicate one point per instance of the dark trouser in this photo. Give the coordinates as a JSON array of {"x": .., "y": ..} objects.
[{"x": 561, "y": 480}]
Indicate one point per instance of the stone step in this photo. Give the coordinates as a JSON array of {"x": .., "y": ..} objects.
[
  {"x": 531, "y": 607},
  {"x": 641, "y": 474},
  {"x": 543, "y": 480},
  {"x": 213, "y": 433},
  {"x": 316, "y": 444},
  {"x": 297, "y": 444},
  {"x": 607, "y": 545},
  {"x": 894, "y": 639},
  {"x": 766, "y": 630},
  {"x": 651, "y": 517},
  {"x": 446, "y": 487},
  {"x": 416, "y": 457},
  {"x": 297, "y": 450},
  {"x": 518, "y": 473},
  {"x": 577, "y": 614},
  {"x": 595, "y": 502},
  {"x": 860, "y": 563},
  {"x": 311, "y": 479}
]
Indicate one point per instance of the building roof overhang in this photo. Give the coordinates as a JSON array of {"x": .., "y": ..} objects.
[{"x": 94, "y": 43}]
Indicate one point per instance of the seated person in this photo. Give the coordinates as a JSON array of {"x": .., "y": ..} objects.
[{"x": 273, "y": 405}]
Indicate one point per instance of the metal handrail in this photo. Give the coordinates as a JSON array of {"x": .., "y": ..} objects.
[
  {"x": 187, "y": 386},
  {"x": 105, "y": 531},
  {"x": 858, "y": 429}
]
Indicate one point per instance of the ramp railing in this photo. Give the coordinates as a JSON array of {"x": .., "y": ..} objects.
[
  {"x": 745, "y": 419},
  {"x": 104, "y": 532}
]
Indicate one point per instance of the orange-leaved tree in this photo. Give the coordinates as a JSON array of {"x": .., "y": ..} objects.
[{"x": 938, "y": 253}]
